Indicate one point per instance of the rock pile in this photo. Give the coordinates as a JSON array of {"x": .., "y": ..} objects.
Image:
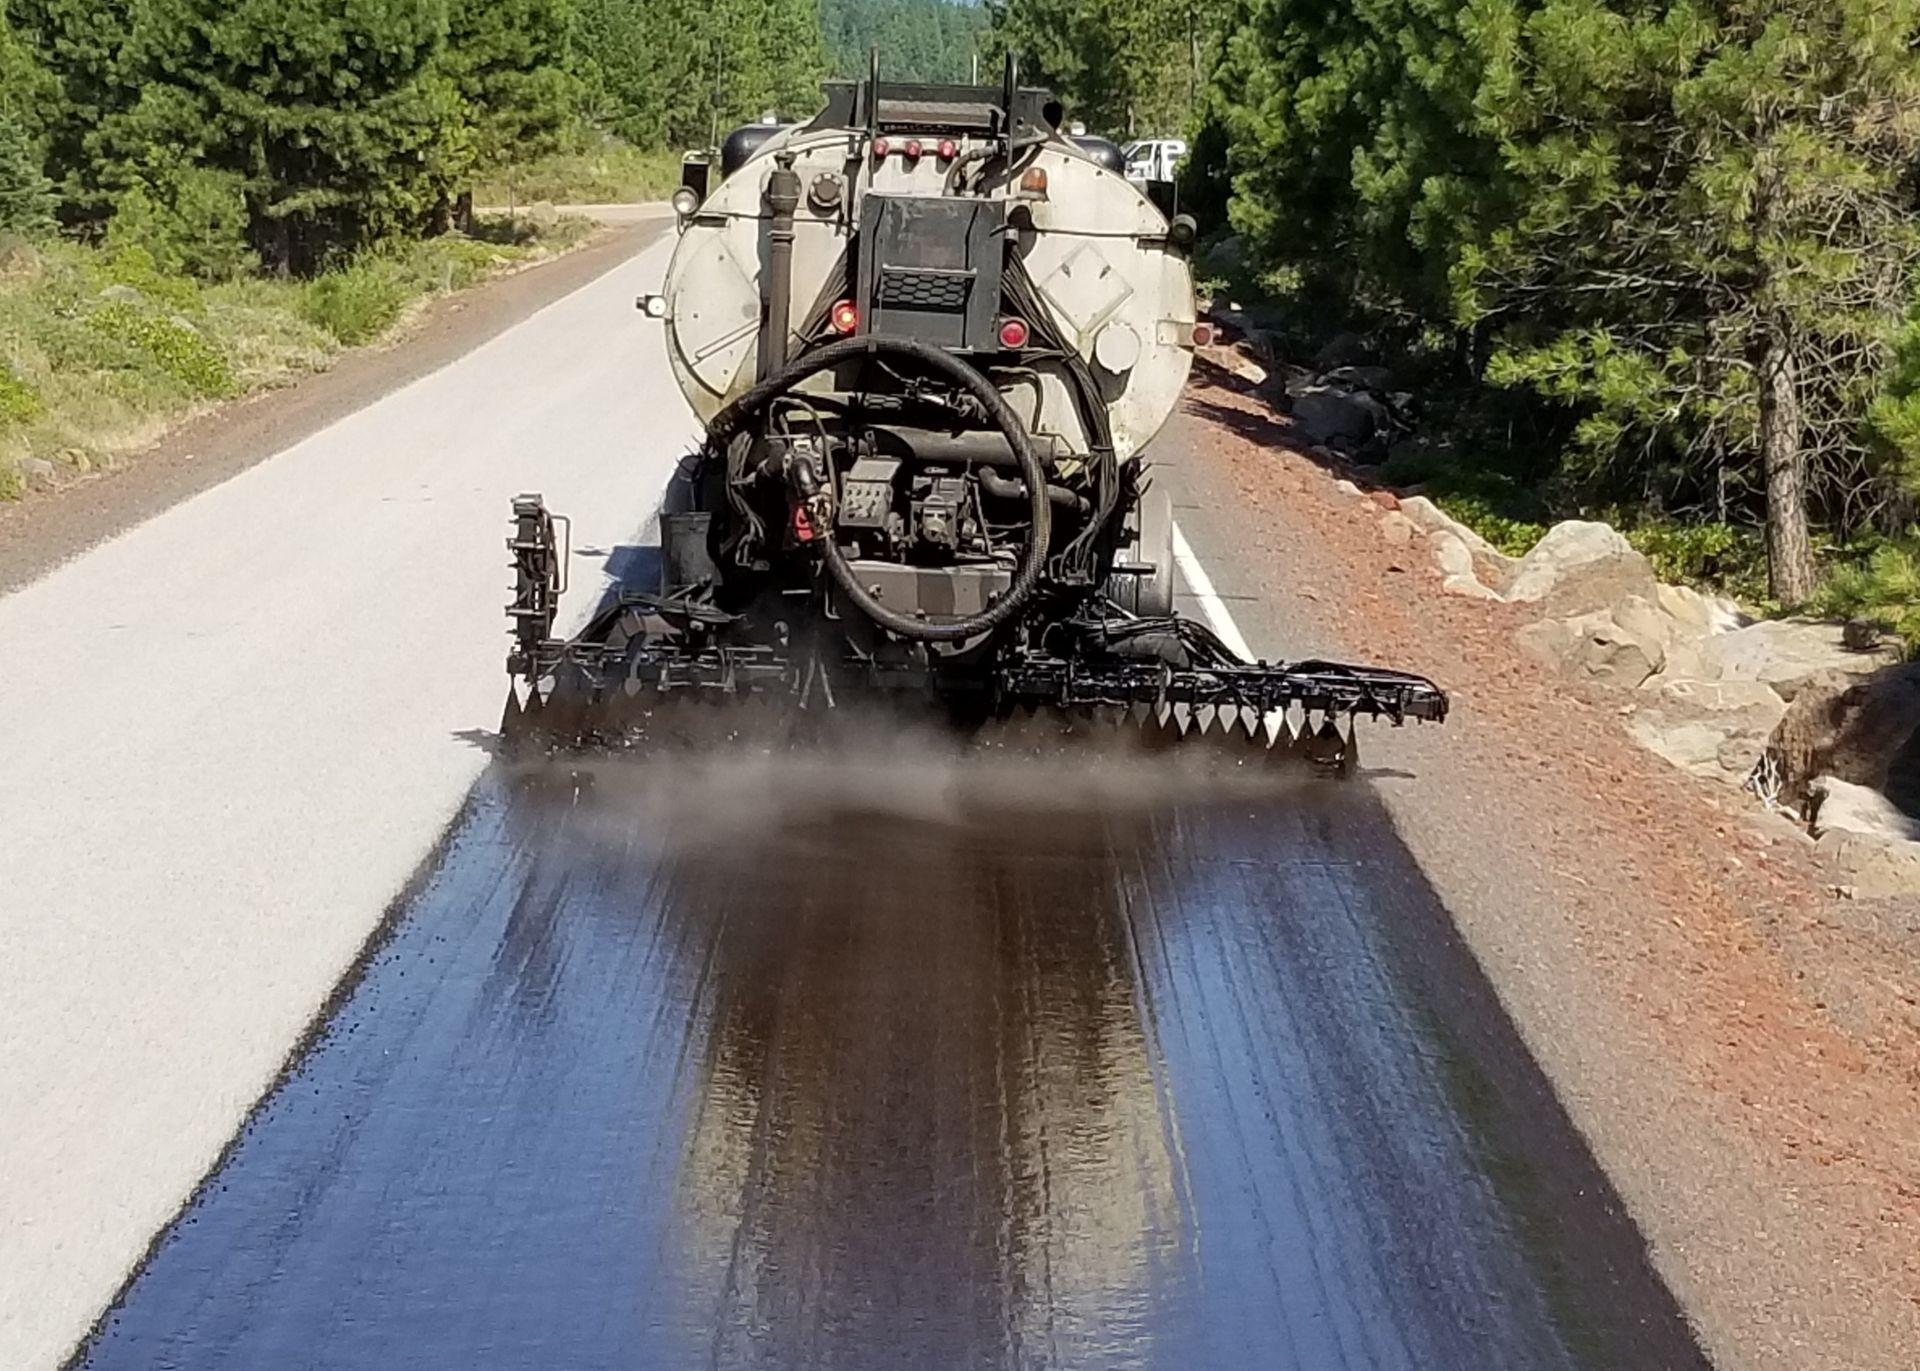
[
  {"x": 1814, "y": 717},
  {"x": 1341, "y": 405},
  {"x": 1811, "y": 715}
]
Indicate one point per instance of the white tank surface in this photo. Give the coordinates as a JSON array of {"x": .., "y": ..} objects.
[{"x": 1117, "y": 289}]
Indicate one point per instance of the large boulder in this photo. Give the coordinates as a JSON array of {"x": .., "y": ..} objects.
[
  {"x": 1869, "y": 868},
  {"x": 1451, "y": 553},
  {"x": 1592, "y": 650},
  {"x": 1842, "y": 807},
  {"x": 1491, "y": 567},
  {"x": 1337, "y": 417},
  {"x": 1868, "y": 844},
  {"x": 1787, "y": 654},
  {"x": 1716, "y": 729},
  {"x": 1862, "y": 731},
  {"x": 1702, "y": 614},
  {"x": 1581, "y": 567}
]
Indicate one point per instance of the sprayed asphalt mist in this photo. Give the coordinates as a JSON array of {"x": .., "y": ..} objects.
[{"x": 894, "y": 1058}]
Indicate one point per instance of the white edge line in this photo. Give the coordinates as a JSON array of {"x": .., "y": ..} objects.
[{"x": 1219, "y": 618}]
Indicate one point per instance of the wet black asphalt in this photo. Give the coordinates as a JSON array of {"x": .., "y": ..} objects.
[{"x": 887, "y": 1062}]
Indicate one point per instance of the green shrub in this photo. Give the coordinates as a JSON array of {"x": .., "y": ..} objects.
[
  {"x": 357, "y": 303},
  {"x": 134, "y": 266},
  {"x": 188, "y": 221},
  {"x": 19, "y": 401},
  {"x": 1718, "y": 555},
  {"x": 1880, "y": 585},
  {"x": 362, "y": 300},
  {"x": 1515, "y": 537},
  {"x": 172, "y": 346}
]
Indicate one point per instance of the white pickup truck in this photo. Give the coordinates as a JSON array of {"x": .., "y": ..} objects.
[{"x": 1153, "y": 159}]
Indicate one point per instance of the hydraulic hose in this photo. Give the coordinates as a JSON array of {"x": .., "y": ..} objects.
[
  {"x": 1033, "y": 557},
  {"x": 1001, "y": 488}
]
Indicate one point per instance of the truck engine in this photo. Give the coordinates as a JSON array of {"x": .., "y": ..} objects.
[{"x": 930, "y": 336}]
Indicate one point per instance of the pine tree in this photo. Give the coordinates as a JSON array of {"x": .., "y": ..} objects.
[
  {"x": 679, "y": 72},
  {"x": 508, "y": 60},
  {"x": 26, "y": 200},
  {"x": 1715, "y": 236},
  {"x": 919, "y": 40},
  {"x": 1127, "y": 67},
  {"x": 1686, "y": 226},
  {"x": 337, "y": 115},
  {"x": 76, "y": 48}
]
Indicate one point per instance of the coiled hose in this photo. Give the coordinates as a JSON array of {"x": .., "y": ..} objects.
[{"x": 735, "y": 417}]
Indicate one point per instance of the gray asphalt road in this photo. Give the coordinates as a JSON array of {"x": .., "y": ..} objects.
[{"x": 873, "y": 1064}]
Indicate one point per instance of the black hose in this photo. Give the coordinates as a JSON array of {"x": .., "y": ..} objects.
[
  {"x": 1001, "y": 488},
  {"x": 1033, "y": 557}
]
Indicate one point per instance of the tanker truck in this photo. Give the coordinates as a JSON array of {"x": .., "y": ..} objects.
[{"x": 929, "y": 335}]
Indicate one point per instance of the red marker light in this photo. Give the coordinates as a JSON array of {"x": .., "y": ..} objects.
[
  {"x": 881, "y": 147},
  {"x": 913, "y": 149},
  {"x": 1202, "y": 335},
  {"x": 1013, "y": 333},
  {"x": 844, "y": 316},
  {"x": 948, "y": 149}
]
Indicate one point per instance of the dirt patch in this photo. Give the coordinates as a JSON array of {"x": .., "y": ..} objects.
[
  {"x": 1787, "y": 1014},
  {"x": 46, "y": 528}
]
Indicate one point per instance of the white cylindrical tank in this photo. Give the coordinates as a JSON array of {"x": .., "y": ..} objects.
[{"x": 1094, "y": 246}]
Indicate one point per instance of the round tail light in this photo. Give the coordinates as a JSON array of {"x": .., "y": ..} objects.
[
  {"x": 881, "y": 147},
  {"x": 1013, "y": 333},
  {"x": 948, "y": 149},
  {"x": 844, "y": 316},
  {"x": 913, "y": 149},
  {"x": 1202, "y": 335}
]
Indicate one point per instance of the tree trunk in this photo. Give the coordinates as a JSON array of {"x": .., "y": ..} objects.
[{"x": 1790, "y": 569}]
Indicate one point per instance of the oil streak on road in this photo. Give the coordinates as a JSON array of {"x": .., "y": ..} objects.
[{"x": 880, "y": 1067}]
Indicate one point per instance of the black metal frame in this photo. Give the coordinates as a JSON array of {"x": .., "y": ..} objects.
[{"x": 684, "y": 654}]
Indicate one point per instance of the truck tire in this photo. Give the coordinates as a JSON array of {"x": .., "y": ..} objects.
[{"x": 1149, "y": 596}]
